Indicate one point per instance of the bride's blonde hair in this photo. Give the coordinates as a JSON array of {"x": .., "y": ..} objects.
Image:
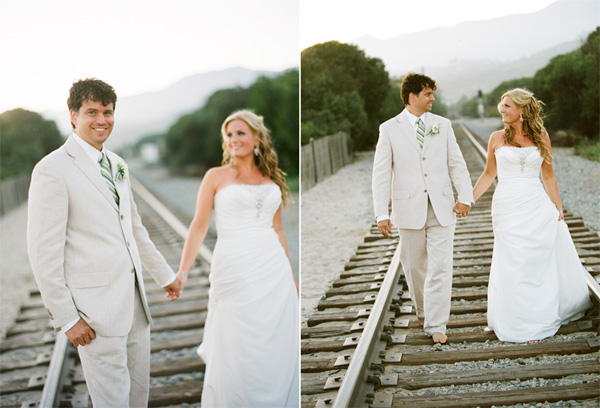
[
  {"x": 531, "y": 115},
  {"x": 266, "y": 160}
]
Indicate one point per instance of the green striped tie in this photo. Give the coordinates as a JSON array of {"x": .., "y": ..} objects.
[
  {"x": 420, "y": 132},
  {"x": 107, "y": 176}
]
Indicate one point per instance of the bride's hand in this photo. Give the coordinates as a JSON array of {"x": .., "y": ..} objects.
[{"x": 561, "y": 215}]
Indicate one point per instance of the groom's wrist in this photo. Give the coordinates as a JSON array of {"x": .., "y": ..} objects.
[{"x": 382, "y": 218}]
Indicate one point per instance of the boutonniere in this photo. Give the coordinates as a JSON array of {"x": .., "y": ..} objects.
[
  {"x": 435, "y": 129},
  {"x": 122, "y": 171}
]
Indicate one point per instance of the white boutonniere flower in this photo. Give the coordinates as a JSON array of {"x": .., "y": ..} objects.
[
  {"x": 435, "y": 129},
  {"x": 122, "y": 171}
]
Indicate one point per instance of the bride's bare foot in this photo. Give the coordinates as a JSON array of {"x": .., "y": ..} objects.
[
  {"x": 439, "y": 337},
  {"x": 422, "y": 321},
  {"x": 533, "y": 342}
]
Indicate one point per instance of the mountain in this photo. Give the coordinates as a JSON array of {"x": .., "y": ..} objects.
[
  {"x": 155, "y": 112},
  {"x": 518, "y": 43},
  {"x": 465, "y": 78}
]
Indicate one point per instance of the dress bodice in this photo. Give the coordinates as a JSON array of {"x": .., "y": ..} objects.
[
  {"x": 518, "y": 162},
  {"x": 245, "y": 209}
]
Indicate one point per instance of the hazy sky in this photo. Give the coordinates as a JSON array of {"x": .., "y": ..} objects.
[
  {"x": 135, "y": 45},
  {"x": 346, "y": 20},
  {"x": 139, "y": 46}
]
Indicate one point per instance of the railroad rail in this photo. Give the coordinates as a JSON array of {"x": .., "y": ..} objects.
[
  {"x": 39, "y": 368},
  {"x": 363, "y": 347}
]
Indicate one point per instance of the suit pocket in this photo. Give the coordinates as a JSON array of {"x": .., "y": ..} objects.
[
  {"x": 401, "y": 194},
  {"x": 448, "y": 191},
  {"x": 87, "y": 280}
]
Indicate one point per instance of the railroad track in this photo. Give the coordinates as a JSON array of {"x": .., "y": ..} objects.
[
  {"x": 39, "y": 368},
  {"x": 363, "y": 347}
]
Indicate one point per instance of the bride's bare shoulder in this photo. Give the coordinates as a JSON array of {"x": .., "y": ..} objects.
[
  {"x": 496, "y": 139},
  {"x": 218, "y": 176}
]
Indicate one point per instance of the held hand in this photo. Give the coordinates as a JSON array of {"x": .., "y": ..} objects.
[
  {"x": 561, "y": 215},
  {"x": 176, "y": 288},
  {"x": 461, "y": 210},
  {"x": 81, "y": 334},
  {"x": 385, "y": 227}
]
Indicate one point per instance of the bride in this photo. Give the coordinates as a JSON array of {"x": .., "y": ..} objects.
[
  {"x": 250, "y": 343},
  {"x": 536, "y": 278}
]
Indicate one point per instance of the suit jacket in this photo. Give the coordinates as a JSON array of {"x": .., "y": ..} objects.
[
  {"x": 85, "y": 251},
  {"x": 412, "y": 175}
]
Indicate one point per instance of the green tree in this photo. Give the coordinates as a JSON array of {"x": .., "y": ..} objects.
[
  {"x": 195, "y": 139},
  {"x": 25, "y": 138},
  {"x": 344, "y": 90},
  {"x": 569, "y": 85}
]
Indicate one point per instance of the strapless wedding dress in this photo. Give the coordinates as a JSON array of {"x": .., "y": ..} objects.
[
  {"x": 251, "y": 335},
  {"x": 536, "y": 278}
]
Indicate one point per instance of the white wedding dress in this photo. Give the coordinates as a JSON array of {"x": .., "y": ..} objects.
[
  {"x": 536, "y": 278},
  {"x": 251, "y": 335}
]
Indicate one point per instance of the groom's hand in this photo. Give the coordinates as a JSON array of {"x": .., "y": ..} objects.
[
  {"x": 81, "y": 334},
  {"x": 385, "y": 227},
  {"x": 174, "y": 289},
  {"x": 462, "y": 210}
]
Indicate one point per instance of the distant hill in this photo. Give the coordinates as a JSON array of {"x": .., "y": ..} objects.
[
  {"x": 155, "y": 112},
  {"x": 465, "y": 78},
  {"x": 481, "y": 54}
]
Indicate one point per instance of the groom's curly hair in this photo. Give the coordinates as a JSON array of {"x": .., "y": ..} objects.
[
  {"x": 415, "y": 83},
  {"x": 90, "y": 89}
]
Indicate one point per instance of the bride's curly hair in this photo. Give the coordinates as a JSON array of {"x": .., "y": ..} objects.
[
  {"x": 531, "y": 115},
  {"x": 266, "y": 160}
]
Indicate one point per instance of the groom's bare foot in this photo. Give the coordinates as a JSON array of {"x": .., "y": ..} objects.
[
  {"x": 422, "y": 321},
  {"x": 439, "y": 337}
]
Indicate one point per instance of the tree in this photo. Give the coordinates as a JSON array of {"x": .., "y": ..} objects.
[
  {"x": 195, "y": 139},
  {"x": 569, "y": 85},
  {"x": 25, "y": 138},
  {"x": 344, "y": 90}
]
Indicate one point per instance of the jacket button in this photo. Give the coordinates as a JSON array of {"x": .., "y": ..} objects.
[
  {"x": 132, "y": 270},
  {"x": 423, "y": 158},
  {"x": 128, "y": 244},
  {"x": 122, "y": 217},
  {"x": 424, "y": 191},
  {"x": 425, "y": 175}
]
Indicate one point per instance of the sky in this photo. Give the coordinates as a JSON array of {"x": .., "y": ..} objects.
[
  {"x": 346, "y": 20},
  {"x": 140, "y": 46},
  {"x": 136, "y": 46}
]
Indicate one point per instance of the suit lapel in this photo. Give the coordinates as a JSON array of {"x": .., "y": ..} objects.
[
  {"x": 408, "y": 131},
  {"x": 83, "y": 163}
]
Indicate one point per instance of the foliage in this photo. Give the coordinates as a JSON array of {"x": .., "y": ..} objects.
[
  {"x": 344, "y": 90},
  {"x": 469, "y": 107},
  {"x": 195, "y": 139},
  {"x": 589, "y": 151},
  {"x": 568, "y": 85},
  {"x": 25, "y": 138}
]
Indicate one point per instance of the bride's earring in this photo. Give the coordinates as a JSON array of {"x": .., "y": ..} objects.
[
  {"x": 521, "y": 117},
  {"x": 256, "y": 148}
]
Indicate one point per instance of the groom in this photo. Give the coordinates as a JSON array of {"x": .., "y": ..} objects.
[
  {"x": 87, "y": 244},
  {"x": 417, "y": 160}
]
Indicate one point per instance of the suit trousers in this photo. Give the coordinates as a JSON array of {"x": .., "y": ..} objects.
[
  {"x": 117, "y": 368},
  {"x": 426, "y": 257}
]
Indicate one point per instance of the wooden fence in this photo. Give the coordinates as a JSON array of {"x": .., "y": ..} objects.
[
  {"x": 13, "y": 192},
  {"x": 324, "y": 157}
]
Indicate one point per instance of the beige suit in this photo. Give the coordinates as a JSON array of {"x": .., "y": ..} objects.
[
  {"x": 86, "y": 252},
  {"x": 419, "y": 183}
]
